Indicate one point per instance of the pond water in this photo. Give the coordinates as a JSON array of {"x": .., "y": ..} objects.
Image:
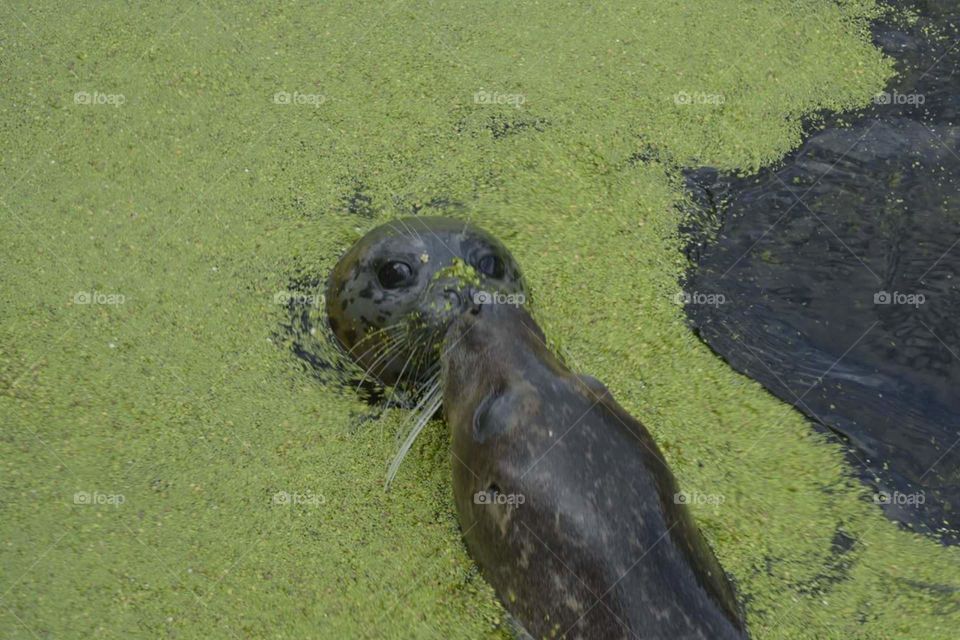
[{"x": 832, "y": 279}]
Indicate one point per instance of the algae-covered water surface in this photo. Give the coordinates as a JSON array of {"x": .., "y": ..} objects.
[
  {"x": 859, "y": 312},
  {"x": 176, "y": 177}
]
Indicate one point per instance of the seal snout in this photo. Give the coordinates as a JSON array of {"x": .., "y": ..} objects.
[
  {"x": 466, "y": 300},
  {"x": 446, "y": 299},
  {"x": 453, "y": 297}
]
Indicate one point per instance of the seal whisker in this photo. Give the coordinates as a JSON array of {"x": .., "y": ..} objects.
[
  {"x": 390, "y": 334},
  {"x": 395, "y": 347},
  {"x": 399, "y": 383},
  {"x": 386, "y": 345},
  {"x": 362, "y": 341},
  {"x": 412, "y": 231},
  {"x": 377, "y": 345},
  {"x": 429, "y": 343},
  {"x": 419, "y": 356},
  {"x": 430, "y": 403},
  {"x": 423, "y": 399},
  {"x": 429, "y": 379},
  {"x": 431, "y": 386},
  {"x": 393, "y": 400},
  {"x": 393, "y": 330}
]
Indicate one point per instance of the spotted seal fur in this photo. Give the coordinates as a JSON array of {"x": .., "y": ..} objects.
[{"x": 564, "y": 499}]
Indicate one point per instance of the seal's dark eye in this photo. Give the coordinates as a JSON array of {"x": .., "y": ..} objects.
[
  {"x": 490, "y": 265},
  {"x": 394, "y": 274}
]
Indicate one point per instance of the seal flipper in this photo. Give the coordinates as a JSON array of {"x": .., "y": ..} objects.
[
  {"x": 491, "y": 416},
  {"x": 502, "y": 411}
]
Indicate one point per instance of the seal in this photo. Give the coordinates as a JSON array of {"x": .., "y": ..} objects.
[
  {"x": 564, "y": 499},
  {"x": 375, "y": 296}
]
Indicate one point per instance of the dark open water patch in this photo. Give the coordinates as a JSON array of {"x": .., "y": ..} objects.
[{"x": 834, "y": 279}]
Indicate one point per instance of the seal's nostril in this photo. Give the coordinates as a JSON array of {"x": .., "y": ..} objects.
[{"x": 453, "y": 296}]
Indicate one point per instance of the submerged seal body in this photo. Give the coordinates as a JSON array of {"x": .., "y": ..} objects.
[
  {"x": 564, "y": 499},
  {"x": 376, "y": 298}
]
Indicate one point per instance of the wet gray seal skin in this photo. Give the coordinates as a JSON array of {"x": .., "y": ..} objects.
[
  {"x": 375, "y": 297},
  {"x": 565, "y": 501}
]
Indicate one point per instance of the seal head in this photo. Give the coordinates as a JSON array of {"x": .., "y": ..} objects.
[{"x": 391, "y": 297}]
